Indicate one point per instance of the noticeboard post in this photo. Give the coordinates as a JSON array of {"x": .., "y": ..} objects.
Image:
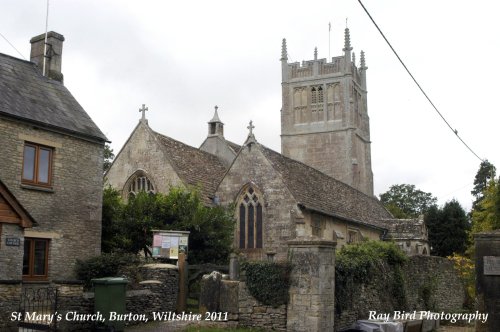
[{"x": 168, "y": 244}]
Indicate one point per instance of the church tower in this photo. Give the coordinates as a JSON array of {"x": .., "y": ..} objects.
[{"x": 324, "y": 117}]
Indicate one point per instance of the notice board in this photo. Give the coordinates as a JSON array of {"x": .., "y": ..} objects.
[{"x": 168, "y": 244}]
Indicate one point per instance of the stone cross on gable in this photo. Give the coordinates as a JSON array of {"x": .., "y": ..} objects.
[
  {"x": 143, "y": 110},
  {"x": 251, "y": 127}
]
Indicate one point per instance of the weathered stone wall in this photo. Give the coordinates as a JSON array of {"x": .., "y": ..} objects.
[
  {"x": 11, "y": 257},
  {"x": 221, "y": 295},
  {"x": 487, "y": 256},
  {"x": 143, "y": 152},
  {"x": 156, "y": 294},
  {"x": 10, "y": 293},
  {"x": 312, "y": 286},
  {"x": 279, "y": 207},
  {"x": 438, "y": 275},
  {"x": 71, "y": 299},
  {"x": 430, "y": 283},
  {"x": 68, "y": 213},
  {"x": 252, "y": 313}
]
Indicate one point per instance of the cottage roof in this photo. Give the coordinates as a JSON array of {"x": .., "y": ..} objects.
[
  {"x": 194, "y": 166},
  {"x": 317, "y": 191},
  {"x": 29, "y": 96}
]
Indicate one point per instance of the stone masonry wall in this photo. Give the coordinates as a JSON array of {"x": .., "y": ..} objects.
[
  {"x": 10, "y": 293},
  {"x": 221, "y": 295},
  {"x": 142, "y": 152},
  {"x": 252, "y": 167},
  {"x": 11, "y": 257},
  {"x": 252, "y": 313},
  {"x": 156, "y": 294},
  {"x": 69, "y": 213},
  {"x": 430, "y": 283},
  {"x": 312, "y": 286}
]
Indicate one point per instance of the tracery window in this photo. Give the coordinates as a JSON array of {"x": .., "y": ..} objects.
[
  {"x": 250, "y": 220},
  {"x": 139, "y": 182}
]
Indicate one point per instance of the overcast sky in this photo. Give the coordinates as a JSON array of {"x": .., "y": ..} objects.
[{"x": 181, "y": 58}]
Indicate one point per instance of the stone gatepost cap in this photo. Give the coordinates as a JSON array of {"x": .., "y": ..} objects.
[
  {"x": 311, "y": 242},
  {"x": 488, "y": 235}
]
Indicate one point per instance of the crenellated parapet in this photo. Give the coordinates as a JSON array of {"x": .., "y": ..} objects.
[{"x": 324, "y": 117}]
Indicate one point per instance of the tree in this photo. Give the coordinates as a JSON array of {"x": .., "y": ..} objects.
[
  {"x": 405, "y": 201},
  {"x": 112, "y": 208},
  {"x": 484, "y": 175},
  {"x": 486, "y": 213},
  {"x": 448, "y": 228},
  {"x": 108, "y": 157},
  {"x": 128, "y": 227}
]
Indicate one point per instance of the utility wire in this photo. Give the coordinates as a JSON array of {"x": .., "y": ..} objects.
[
  {"x": 12, "y": 46},
  {"x": 414, "y": 80}
]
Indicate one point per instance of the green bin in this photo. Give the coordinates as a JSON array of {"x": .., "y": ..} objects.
[{"x": 109, "y": 297}]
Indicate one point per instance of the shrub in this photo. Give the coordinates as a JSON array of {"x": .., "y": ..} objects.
[
  {"x": 355, "y": 264},
  {"x": 268, "y": 282},
  {"x": 105, "y": 265}
]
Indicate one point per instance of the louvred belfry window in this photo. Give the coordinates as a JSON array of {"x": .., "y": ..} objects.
[{"x": 250, "y": 220}]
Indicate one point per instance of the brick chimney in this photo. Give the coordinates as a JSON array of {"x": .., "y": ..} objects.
[{"x": 53, "y": 55}]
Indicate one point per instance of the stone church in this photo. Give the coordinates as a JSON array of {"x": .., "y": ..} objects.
[{"x": 319, "y": 186}]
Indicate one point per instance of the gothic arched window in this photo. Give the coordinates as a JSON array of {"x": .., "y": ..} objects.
[
  {"x": 139, "y": 182},
  {"x": 250, "y": 220}
]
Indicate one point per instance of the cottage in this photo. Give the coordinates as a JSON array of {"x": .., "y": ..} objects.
[{"x": 50, "y": 170}]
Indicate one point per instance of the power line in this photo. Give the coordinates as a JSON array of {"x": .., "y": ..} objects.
[
  {"x": 418, "y": 85},
  {"x": 12, "y": 46}
]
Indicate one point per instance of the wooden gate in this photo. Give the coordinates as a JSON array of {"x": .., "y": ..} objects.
[{"x": 38, "y": 308}]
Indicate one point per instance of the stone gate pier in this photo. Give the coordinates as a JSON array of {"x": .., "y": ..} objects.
[
  {"x": 312, "y": 285},
  {"x": 487, "y": 258}
]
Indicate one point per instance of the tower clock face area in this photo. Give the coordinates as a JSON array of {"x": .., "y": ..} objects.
[{"x": 324, "y": 118}]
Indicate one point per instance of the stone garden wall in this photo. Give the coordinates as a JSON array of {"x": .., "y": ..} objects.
[
  {"x": 430, "y": 283},
  {"x": 218, "y": 294},
  {"x": 156, "y": 292}
]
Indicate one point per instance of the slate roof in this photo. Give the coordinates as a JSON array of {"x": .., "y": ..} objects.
[
  {"x": 317, "y": 191},
  {"x": 26, "y": 94},
  {"x": 194, "y": 166},
  {"x": 233, "y": 146}
]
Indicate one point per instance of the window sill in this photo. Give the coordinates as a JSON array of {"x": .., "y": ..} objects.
[
  {"x": 38, "y": 188},
  {"x": 28, "y": 280}
]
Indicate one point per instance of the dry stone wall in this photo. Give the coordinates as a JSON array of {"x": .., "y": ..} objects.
[{"x": 430, "y": 283}]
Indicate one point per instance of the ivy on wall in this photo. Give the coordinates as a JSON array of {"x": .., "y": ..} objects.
[
  {"x": 268, "y": 282},
  {"x": 355, "y": 264}
]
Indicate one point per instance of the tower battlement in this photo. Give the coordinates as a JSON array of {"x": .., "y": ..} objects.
[{"x": 324, "y": 117}]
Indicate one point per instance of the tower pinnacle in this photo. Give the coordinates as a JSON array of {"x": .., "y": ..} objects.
[
  {"x": 284, "y": 54},
  {"x": 316, "y": 53},
  {"x": 363, "y": 64},
  {"x": 347, "y": 40}
]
